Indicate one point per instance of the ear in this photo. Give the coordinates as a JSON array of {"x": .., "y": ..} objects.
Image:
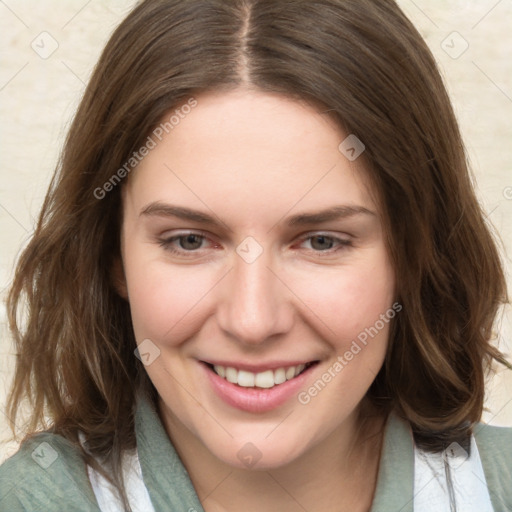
[{"x": 119, "y": 278}]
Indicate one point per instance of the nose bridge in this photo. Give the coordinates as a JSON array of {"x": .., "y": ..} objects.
[{"x": 255, "y": 304}]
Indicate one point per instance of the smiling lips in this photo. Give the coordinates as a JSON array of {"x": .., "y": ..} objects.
[
  {"x": 266, "y": 379},
  {"x": 260, "y": 390}
]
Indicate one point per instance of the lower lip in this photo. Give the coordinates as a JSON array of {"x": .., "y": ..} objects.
[{"x": 256, "y": 399}]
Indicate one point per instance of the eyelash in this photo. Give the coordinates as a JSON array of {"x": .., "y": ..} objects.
[
  {"x": 166, "y": 243},
  {"x": 341, "y": 243}
]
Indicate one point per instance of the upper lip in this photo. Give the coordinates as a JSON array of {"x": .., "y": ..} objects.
[{"x": 260, "y": 367}]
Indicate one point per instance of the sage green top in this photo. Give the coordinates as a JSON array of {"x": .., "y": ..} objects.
[{"x": 52, "y": 477}]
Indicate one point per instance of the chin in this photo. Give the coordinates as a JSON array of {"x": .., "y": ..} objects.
[{"x": 259, "y": 454}]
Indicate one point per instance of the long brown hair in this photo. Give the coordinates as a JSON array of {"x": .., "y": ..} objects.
[{"x": 368, "y": 66}]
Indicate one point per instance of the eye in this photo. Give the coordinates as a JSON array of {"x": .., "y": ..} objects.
[
  {"x": 184, "y": 243},
  {"x": 190, "y": 242},
  {"x": 325, "y": 243},
  {"x": 321, "y": 242}
]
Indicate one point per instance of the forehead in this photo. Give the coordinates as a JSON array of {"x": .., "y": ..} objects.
[{"x": 251, "y": 151}]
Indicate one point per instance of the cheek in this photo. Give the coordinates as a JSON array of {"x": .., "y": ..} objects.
[
  {"x": 165, "y": 304},
  {"x": 345, "y": 303},
  {"x": 354, "y": 312}
]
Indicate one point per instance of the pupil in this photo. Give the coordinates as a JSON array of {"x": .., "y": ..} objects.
[
  {"x": 321, "y": 243},
  {"x": 190, "y": 242}
]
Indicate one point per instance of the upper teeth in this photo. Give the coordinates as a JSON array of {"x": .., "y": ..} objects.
[{"x": 266, "y": 379}]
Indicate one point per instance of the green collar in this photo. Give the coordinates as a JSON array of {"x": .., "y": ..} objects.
[
  {"x": 395, "y": 482},
  {"x": 164, "y": 475},
  {"x": 170, "y": 487}
]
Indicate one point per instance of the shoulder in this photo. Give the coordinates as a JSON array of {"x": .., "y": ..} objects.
[
  {"x": 495, "y": 450},
  {"x": 46, "y": 473},
  {"x": 495, "y": 443}
]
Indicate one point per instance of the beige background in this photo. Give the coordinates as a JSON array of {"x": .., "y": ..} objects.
[{"x": 39, "y": 91}]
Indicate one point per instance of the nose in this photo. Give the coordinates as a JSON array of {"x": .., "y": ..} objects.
[{"x": 256, "y": 305}]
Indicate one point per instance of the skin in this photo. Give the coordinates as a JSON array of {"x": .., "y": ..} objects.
[{"x": 252, "y": 160}]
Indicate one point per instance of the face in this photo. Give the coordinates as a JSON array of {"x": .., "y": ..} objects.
[{"x": 258, "y": 278}]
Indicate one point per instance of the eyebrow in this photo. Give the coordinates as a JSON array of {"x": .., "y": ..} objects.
[
  {"x": 330, "y": 214},
  {"x": 168, "y": 210}
]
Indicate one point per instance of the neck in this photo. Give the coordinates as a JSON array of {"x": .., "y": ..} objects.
[{"x": 339, "y": 474}]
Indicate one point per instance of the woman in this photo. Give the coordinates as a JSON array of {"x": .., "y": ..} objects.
[{"x": 260, "y": 279}]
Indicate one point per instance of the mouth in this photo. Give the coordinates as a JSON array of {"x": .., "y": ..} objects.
[
  {"x": 263, "y": 379},
  {"x": 257, "y": 389}
]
